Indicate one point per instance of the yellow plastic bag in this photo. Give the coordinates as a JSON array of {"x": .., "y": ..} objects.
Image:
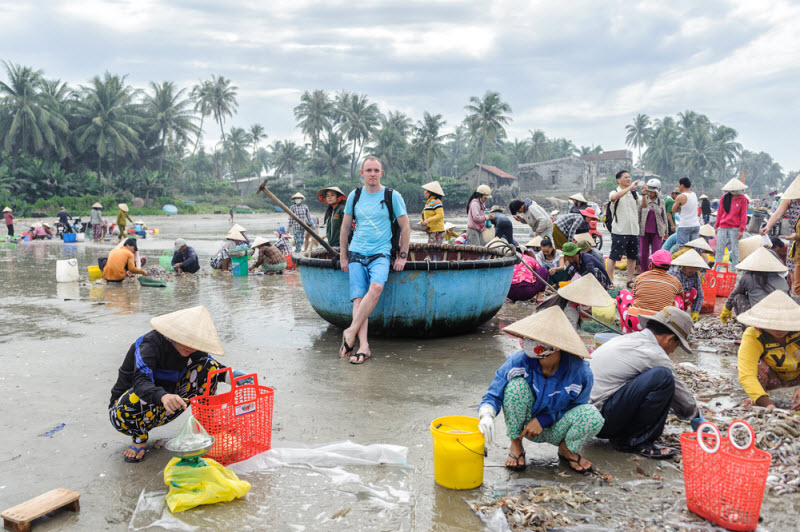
[
  {"x": 605, "y": 314},
  {"x": 193, "y": 486}
]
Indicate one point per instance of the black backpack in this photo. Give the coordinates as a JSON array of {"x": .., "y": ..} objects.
[
  {"x": 612, "y": 215},
  {"x": 387, "y": 201}
]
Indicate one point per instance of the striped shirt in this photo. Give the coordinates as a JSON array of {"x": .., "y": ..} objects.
[{"x": 655, "y": 289}]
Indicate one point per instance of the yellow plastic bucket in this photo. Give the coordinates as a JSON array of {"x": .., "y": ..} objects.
[
  {"x": 458, "y": 452},
  {"x": 94, "y": 273}
]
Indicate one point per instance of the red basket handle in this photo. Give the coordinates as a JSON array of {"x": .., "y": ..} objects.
[
  {"x": 244, "y": 377},
  {"x": 727, "y": 270},
  {"x": 701, "y": 443},
  {"x": 750, "y": 432},
  {"x": 213, "y": 372}
]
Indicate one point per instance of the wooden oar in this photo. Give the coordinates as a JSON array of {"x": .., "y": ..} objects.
[{"x": 263, "y": 188}]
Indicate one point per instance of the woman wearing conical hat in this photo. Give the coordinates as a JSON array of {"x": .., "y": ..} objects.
[
  {"x": 222, "y": 258},
  {"x": 122, "y": 220},
  {"x": 577, "y": 296},
  {"x": 790, "y": 207},
  {"x": 760, "y": 274},
  {"x": 769, "y": 356},
  {"x": 96, "y": 221},
  {"x": 686, "y": 269},
  {"x": 334, "y": 199},
  {"x": 433, "y": 212},
  {"x": 301, "y": 211},
  {"x": 9, "y": 219},
  {"x": 731, "y": 221},
  {"x": 162, "y": 371},
  {"x": 543, "y": 390}
]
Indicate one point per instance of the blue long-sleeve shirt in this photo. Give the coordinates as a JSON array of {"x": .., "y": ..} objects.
[
  {"x": 188, "y": 259},
  {"x": 554, "y": 396}
]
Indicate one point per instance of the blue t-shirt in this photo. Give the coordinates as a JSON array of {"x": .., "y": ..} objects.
[{"x": 373, "y": 233}]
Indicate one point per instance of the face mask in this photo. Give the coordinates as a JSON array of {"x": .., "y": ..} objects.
[
  {"x": 298, "y": 201},
  {"x": 536, "y": 349}
]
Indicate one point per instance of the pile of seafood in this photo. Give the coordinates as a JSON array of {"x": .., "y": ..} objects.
[
  {"x": 718, "y": 333},
  {"x": 527, "y": 511}
]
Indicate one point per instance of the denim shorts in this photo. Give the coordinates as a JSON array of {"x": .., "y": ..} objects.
[{"x": 365, "y": 270}]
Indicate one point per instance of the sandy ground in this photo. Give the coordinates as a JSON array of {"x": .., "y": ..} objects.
[{"x": 60, "y": 348}]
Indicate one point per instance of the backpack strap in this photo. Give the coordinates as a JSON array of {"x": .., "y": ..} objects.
[
  {"x": 356, "y": 197},
  {"x": 387, "y": 199}
]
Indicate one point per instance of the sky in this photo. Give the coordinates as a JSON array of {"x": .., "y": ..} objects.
[{"x": 577, "y": 69}]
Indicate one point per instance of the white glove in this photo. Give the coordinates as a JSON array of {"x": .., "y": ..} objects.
[{"x": 486, "y": 415}]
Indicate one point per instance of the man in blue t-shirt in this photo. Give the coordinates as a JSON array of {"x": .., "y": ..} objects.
[{"x": 367, "y": 257}]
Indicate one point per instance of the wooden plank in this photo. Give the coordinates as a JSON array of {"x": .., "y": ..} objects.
[{"x": 20, "y": 516}]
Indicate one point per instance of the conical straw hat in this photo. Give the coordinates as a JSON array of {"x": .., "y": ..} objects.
[
  {"x": 584, "y": 237},
  {"x": 321, "y": 193},
  {"x": 777, "y": 311},
  {"x": 297, "y": 195},
  {"x": 707, "y": 231},
  {"x": 793, "y": 192},
  {"x": 699, "y": 243},
  {"x": 734, "y": 185},
  {"x": 690, "y": 258},
  {"x": 97, "y": 205},
  {"x": 749, "y": 245},
  {"x": 123, "y": 207},
  {"x": 7, "y": 209},
  {"x": 237, "y": 227},
  {"x": 448, "y": 226},
  {"x": 535, "y": 242},
  {"x": 703, "y": 197},
  {"x": 578, "y": 197},
  {"x": 434, "y": 187},
  {"x": 260, "y": 241},
  {"x": 235, "y": 235},
  {"x": 551, "y": 327},
  {"x": 586, "y": 291},
  {"x": 762, "y": 260},
  {"x": 192, "y": 327},
  {"x": 36, "y": 225}
]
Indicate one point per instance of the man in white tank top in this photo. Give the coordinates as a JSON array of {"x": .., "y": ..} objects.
[{"x": 686, "y": 205}]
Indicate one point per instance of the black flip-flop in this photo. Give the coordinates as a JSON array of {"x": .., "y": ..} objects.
[
  {"x": 134, "y": 460},
  {"x": 651, "y": 451},
  {"x": 360, "y": 358},
  {"x": 577, "y": 462},
  {"x": 519, "y": 467},
  {"x": 348, "y": 349}
]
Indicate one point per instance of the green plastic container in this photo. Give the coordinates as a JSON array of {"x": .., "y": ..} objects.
[
  {"x": 239, "y": 266},
  {"x": 165, "y": 260}
]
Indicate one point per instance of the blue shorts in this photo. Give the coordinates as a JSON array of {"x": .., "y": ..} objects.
[{"x": 366, "y": 270}]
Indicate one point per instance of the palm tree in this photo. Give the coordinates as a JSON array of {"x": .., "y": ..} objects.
[
  {"x": 398, "y": 121},
  {"x": 660, "y": 154},
  {"x": 538, "y": 146},
  {"x": 359, "y": 120},
  {"x": 58, "y": 98},
  {"x": 562, "y": 147},
  {"x": 171, "y": 117},
  {"x": 108, "y": 120},
  {"x": 486, "y": 119},
  {"x": 699, "y": 155},
  {"x": 223, "y": 103},
  {"x": 33, "y": 123},
  {"x": 429, "y": 140},
  {"x": 724, "y": 139},
  {"x": 331, "y": 157},
  {"x": 201, "y": 96},
  {"x": 237, "y": 144},
  {"x": 638, "y": 133},
  {"x": 314, "y": 115},
  {"x": 286, "y": 158}
]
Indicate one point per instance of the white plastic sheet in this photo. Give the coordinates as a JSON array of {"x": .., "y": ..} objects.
[{"x": 298, "y": 487}]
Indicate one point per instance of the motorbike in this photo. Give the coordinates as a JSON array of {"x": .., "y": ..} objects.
[{"x": 596, "y": 236}]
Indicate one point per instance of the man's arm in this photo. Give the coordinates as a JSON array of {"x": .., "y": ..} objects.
[
  {"x": 344, "y": 237},
  {"x": 405, "y": 241},
  {"x": 617, "y": 194},
  {"x": 680, "y": 200}
]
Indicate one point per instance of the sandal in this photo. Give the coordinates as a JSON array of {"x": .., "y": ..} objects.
[
  {"x": 629, "y": 284},
  {"x": 577, "y": 462},
  {"x": 651, "y": 451},
  {"x": 137, "y": 450},
  {"x": 347, "y": 348},
  {"x": 359, "y": 358},
  {"x": 519, "y": 467}
]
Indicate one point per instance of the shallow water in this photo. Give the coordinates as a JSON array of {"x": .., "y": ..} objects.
[{"x": 61, "y": 345}]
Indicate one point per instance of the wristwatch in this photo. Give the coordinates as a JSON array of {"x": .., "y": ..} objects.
[{"x": 403, "y": 254}]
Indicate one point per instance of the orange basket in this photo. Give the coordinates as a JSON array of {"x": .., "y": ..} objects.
[
  {"x": 724, "y": 480},
  {"x": 709, "y": 294},
  {"x": 239, "y": 420},
  {"x": 290, "y": 265},
  {"x": 725, "y": 280}
]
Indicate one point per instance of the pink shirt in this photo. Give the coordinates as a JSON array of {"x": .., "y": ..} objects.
[
  {"x": 476, "y": 219},
  {"x": 523, "y": 274},
  {"x": 737, "y": 217},
  {"x": 9, "y": 218}
]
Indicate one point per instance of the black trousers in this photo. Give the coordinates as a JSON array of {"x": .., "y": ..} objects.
[
  {"x": 636, "y": 414},
  {"x": 10, "y": 228}
]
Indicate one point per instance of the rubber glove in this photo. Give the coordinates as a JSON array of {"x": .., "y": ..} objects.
[
  {"x": 699, "y": 420},
  {"x": 725, "y": 315},
  {"x": 239, "y": 373},
  {"x": 695, "y": 316},
  {"x": 486, "y": 415}
]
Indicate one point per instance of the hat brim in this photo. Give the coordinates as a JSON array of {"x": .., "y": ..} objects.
[
  {"x": 643, "y": 319},
  {"x": 778, "y": 311}
]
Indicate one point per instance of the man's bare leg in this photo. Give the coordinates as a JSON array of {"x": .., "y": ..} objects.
[
  {"x": 361, "y": 312},
  {"x": 610, "y": 265}
]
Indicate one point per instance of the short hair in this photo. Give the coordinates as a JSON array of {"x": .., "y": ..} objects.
[
  {"x": 619, "y": 174},
  {"x": 659, "y": 328},
  {"x": 685, "y": 182},
  {"x": 371, "y": 158},
  {"x": 514, "y": 206}
]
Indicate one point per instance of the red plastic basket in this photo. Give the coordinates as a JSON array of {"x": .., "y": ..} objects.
[
  {"x": 239, "y": 420},
  {"x": 724, "y": 480},
  {"x": 709, "y": 294},
  {"x": 725, "y": 280}
]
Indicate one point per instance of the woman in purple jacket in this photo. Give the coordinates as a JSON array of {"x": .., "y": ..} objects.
[{"x": 544, "y": 391}]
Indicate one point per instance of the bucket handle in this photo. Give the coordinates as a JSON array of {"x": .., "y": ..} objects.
[{"x": 484, "y": 453}]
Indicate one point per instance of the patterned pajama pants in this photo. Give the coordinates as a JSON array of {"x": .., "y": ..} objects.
[
  {"x": 97, "y": 232},
  {"x": 770, "y": 380},
  {"x": 133, "y": 416},
  {"x": 576, "y": 427},
  {"x": 630, "y": 322},
  {"x": 299, "y": 237},
  {"x": 436, "y": 238}
]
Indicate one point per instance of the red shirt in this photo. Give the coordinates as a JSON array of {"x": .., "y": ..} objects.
[
  {"x": 736, "y": 217},
  {"x": 9, "y": 218}
]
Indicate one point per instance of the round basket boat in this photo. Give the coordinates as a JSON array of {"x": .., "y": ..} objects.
[{"x": 443, "y": 290}]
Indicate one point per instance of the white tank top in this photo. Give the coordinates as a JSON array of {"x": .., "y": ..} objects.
[{"x": 689, "y": 211}]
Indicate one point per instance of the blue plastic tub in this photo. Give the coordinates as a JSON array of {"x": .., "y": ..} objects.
[{"x": 70, "y": 238}]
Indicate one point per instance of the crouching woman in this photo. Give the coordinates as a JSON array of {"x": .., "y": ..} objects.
[{"x": 544, "y": 391}]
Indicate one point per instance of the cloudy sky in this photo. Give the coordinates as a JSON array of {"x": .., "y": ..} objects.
[{"x": 576, "y": 69}]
